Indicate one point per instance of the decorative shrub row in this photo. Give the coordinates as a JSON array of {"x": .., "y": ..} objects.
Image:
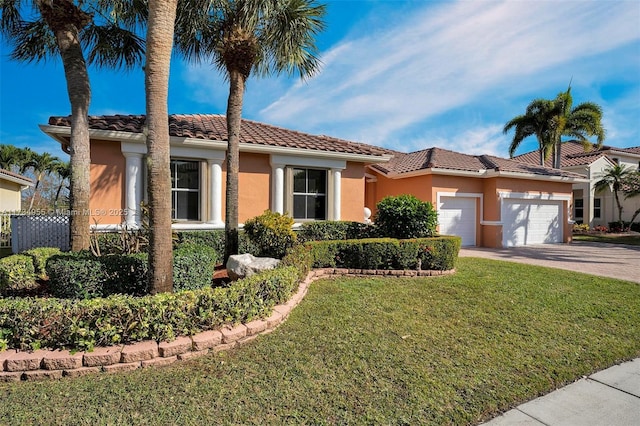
[
  {"x": 83, "y": 276},
  {"x": 323, "y": 230},
  {"x": 617, "y": 227},
  {"x": 30, "y": 323},
  {"x": 438, "y": 253}
]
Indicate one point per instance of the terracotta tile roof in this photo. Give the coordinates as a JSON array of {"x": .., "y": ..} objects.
[
  {"x": 438, "y": 158},
  {"x": 214, "y": 127},
  {"x": 16, "y": 176},
  {"x": 573, "y": 154}
]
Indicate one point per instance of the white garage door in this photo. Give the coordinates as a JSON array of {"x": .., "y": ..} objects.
[
  {"x": 527, "y": 222},
  {"x": 457, "y": 216}
]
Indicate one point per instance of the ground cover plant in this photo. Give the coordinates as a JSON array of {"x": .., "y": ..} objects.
[
  {"x": 447, "y": 350},
  {"x": 629, "y": 239}
]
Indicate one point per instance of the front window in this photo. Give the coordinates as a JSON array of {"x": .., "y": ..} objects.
[
  {"x": 578, "y": 208},
  {"x": 597, "y": 203},
  {"x": 309, "y": 194},
  {"x": 185, "y": 190}
]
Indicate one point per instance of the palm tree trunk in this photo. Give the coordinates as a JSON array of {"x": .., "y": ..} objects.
[
  {"x": 615, "y": 193},
  {"x": 161, "y": 23},
  {"x": 35, "y": 192},
  {"x": 557, "y": 161},
  {"x": 234, "y": 122},
  {"x": 633, "y": 218},
  {"x": 66, "y": 20}
]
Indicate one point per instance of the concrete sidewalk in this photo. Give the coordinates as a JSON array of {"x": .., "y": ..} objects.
[{"x": 609, "y": 397}]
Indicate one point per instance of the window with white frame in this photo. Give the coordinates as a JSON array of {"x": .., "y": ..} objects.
[
  {"x": 309, "y": 194},
  {"x": 185, "y": 190},
  {"x": 597, "y": 208}
]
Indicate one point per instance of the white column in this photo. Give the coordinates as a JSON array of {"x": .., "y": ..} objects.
[
  {"x": 134, "y": 188},
  {"x": 277, "y": 173},
  {"x": 337, "y": 180},
  {"x": 215, "y": 192}
]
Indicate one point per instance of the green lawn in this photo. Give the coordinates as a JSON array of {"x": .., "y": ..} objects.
[
  {"x": 447, "y": 350},
  {"x": 633, "y": 240}
]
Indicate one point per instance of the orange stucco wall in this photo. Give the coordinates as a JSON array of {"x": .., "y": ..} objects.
[
  {"x": 254, "y": 185},
  {"x": 427, "y": 187},
  {"x": 352, "y": 192},
  {"x": 107, "y": 183}
]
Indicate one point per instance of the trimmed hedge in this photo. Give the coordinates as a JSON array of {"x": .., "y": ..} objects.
[
  {"x": 323, "y": 230},
  {"x": 438, "y": 253},
  {"x": 271, "y": 233},
  {"x": 193, "y": 266},
  {"x": 32, "y": 323},
  {"x": 40, "y": 256}
]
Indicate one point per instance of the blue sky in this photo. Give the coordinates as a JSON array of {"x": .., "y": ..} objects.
[{"x": 406, "y": 75}]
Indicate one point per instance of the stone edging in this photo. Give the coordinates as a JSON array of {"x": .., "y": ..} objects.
[{"x": 42, "y": 364}]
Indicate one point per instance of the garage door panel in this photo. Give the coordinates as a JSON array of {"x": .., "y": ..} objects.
[
  {"x": 457, "y": 216},
  {"x": 528, "y": 222}
]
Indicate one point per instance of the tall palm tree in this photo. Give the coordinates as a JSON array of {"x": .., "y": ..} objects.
[
  {"x": 614, "y": 178},
  {"x": 9, "y": 156},
  {"x": 41, "y": 164},
  {"x": 245, "y": 37},
  {"x": 550, "y": 120},
  {"x": 67, "y": 28},
  {"x": 160, "y": 30},
  {"x": 631, "y": 188},
  {"x": 534, "y": 122},
  {"x": 579, "y": 123}
]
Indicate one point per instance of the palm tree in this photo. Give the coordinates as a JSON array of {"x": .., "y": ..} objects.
[
  {"x": 41, "y": 164},
  {"x": 160, "y": 30},
  {"x": 245, "y": 36},
  {"x": 579, "y": 123},
  {"x": 63, "y": 170},
  {"x": 535, "y": 122},
  {"x": 614, "y": 178},
  {"x": 66, "y": 28},
  {"x": 550, "y": 120},
  {"x": 9, "y": 156}
]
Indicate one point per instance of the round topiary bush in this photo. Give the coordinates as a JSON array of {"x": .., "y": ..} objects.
[
  {"x": 271, "y": 233},
  {"x": 405, "y": 216}
]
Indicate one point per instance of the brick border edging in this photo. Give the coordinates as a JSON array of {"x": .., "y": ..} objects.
[{"x": 42, "y": 364}]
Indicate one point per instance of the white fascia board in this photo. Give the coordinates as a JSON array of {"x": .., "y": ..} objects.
[
  {"x": 23, "y": 182},
  {"x": 531, "y": 176},
  {"x": 615, "y": 153}
]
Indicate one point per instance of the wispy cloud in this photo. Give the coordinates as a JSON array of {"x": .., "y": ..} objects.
[{"x": 443, "y": 58}]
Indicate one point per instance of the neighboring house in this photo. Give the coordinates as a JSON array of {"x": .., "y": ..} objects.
[
  {"x": 595, "y": 209},
  {"x": 488, "y": 201},
  {"x": 11, "y": 187},
  {"x": 309, "y": 177}
]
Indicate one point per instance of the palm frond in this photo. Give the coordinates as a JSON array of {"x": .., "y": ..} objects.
[
  {"x": 33, "y": 42},
  {"x": 113, "y": 47}
]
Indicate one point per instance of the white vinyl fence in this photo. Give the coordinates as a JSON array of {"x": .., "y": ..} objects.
[{"x": 29, "y": 231}]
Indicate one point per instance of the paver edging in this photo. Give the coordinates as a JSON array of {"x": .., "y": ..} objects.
[{"x": 55, "y": 364}]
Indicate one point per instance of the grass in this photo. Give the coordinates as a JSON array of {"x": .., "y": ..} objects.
[
  {"x": 447, "y": 350},
  {"x": 629, "y": 239}
]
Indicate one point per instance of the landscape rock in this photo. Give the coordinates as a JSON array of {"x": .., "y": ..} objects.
[{"x": 245, "y": 265}]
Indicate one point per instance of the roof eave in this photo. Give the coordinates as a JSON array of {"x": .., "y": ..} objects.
[{"x": 58, "y": 133}]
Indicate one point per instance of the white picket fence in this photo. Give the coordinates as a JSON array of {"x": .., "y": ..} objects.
[{"x": 23, "y": 232}]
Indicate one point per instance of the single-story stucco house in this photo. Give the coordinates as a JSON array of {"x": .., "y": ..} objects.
[
  {"x": 489, "y": 201},
  {"x": 594, "y": 209},
  {"x": 11, "y": 187}
]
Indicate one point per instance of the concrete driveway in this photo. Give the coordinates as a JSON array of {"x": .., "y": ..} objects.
[{"x": 607, "y": 260}]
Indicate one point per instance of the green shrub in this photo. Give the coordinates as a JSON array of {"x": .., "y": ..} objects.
[
  {"x": 213, "y": 239},
  {"x": 438, "y": 253},
  {"x": 271, "y": 233},
  {"x": 323, "y": 230},
  {"x": 301, "y": 257},
  {"x": 16, "y": 273},
  {"x": 32, "y": 323},
  {"x": 77, "y": 275},
  {"x": 126, "y": 274},
  {"x": 405, "y": 216},
  {"x": 193, "y": 266},
  {"x": 40, "y": 256}
]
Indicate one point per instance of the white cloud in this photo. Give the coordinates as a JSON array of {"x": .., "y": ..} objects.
[{"x": 440, "y": 58}]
